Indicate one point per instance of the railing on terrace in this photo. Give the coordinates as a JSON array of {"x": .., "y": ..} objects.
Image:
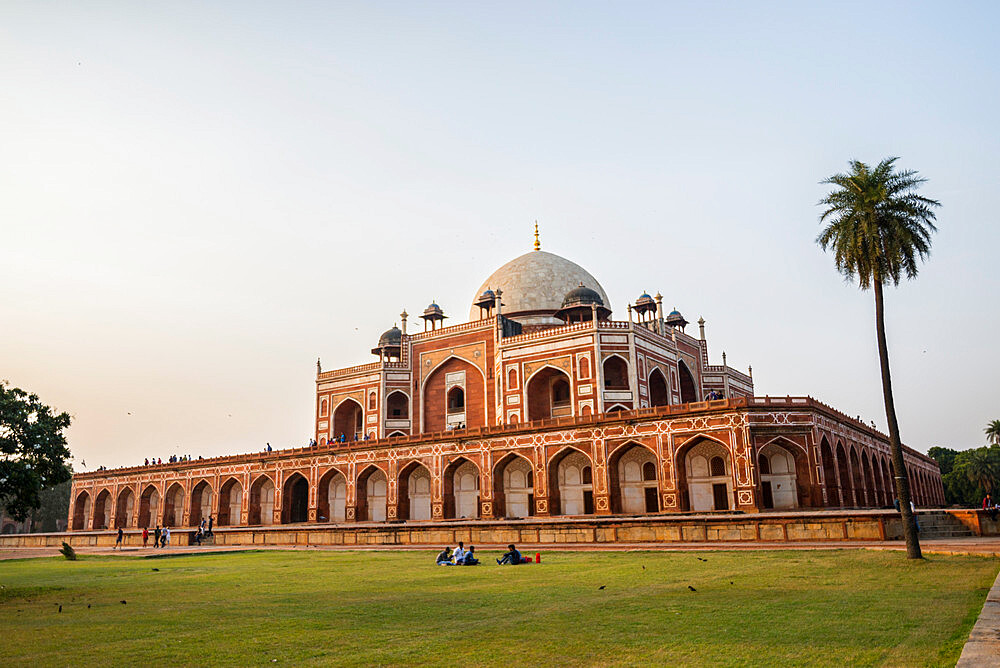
[
  {"x": 497, "y": 430},
  {"x": 485, "y": 323}
]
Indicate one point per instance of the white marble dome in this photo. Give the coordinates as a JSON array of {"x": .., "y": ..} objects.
[{"x": 534, "y": 285}]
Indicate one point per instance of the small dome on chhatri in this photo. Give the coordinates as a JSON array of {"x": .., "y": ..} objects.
[
  {"x": 645, "y": 303},
  {"x": 432, "y": 310},
  {"x": 391, "y": 337},
  {"x": 582, "y": 296},
  {"x": 676, "y": 319}
]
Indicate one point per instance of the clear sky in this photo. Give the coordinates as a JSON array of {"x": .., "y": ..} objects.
[{"x": 197, "y": 200}]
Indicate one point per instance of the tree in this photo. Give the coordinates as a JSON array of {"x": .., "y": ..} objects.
[
  {"x": 33, "y": 452},
  {"x": 993, "y": 432},
  {"x": 878, "y": 228},
  {"x": 981, "y": 466}
]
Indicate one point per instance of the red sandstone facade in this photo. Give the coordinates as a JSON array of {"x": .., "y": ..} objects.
[{"x": 548, "y": 408}]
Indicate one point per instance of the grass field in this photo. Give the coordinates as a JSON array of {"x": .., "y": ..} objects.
[{"x": 750, "y": 608}]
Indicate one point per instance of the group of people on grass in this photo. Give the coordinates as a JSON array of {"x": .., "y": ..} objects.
[
  {"x": 462, "y": 557},
  {"x": 161, "y": 537}
]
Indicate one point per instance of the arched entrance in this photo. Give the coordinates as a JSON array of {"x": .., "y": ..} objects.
[
  {"x": 375, "y": 489},
  {"x": 125, "y": 511},
  {"x": 295, "y": 499},
  {"x": 454, "y": 397},
  {"x": 173, "y": 506},
  {"x": 332, "y": 497},
  {"x": 149, "y": 507},
  {"x": 708, "y": 475},
  {"x": 548, "y": 395},
  {"x": 615, "y": 373},
  {"x": 659, "y": 395},
  {"x": 102, "y": 510},
  {"x": 461, "y": 489},
  {"x": 397, "y": 406},
  {"x": 843, "y": 468},
  {"x": 857, "y": 479},
  {"x": 688, "y": 392},
  {"x": 348, "y": 420},
  {"x": 261, "y": 501},
  {"x": 81, "y": 512},
  {"x": 632, "y": 470},
  {"x": 513, "y": 487},
  {"x": 830, "y": 475},
  {"x": 230, "y": 503},
  {"x": 778, "y": 478},
  {"x": 201, "y": 503},
  {"x": 414, "y": 492},
  {"x": 571, "y": 489},
  {"x": 869, "y": 480}
]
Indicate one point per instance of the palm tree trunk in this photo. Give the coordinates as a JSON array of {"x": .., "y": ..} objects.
[{"x": 895, "y": 445}]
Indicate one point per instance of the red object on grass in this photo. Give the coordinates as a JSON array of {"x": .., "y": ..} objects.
[{"x": 538, "y": 557}]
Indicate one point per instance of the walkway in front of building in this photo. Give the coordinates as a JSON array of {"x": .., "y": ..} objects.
[{"x": 986, "y": 546}]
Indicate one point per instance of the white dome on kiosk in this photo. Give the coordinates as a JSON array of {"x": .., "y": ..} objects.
[{"x": 534, "y": 286}]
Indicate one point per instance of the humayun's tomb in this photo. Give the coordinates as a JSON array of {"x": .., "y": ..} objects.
[{"x": 540, "y": 405}]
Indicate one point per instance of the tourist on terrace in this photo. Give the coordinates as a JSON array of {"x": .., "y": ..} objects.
[
  {"x": 156, "y": 537},
  {"x": 268, "y": 447},
  {"x": 209, "y": 525},
  {"x": 145, "y": 536},
  {"x": 444, "y": 557},
  {"x": 147, "y": 462},
  {"x": 512, "y": 556},
  {"x": 458, "y": 556},
  {"x": 470, "y": 557},
  {"x": 166, "y": 536},
  {"x": 990, "y": 506},
  {"x": 118, "y": 541}
]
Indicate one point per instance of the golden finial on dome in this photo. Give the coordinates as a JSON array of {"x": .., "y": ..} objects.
[{"x": 538, "y": 244}]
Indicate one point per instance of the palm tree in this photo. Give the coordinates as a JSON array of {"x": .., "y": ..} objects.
[
  {"x": 982, "y": 468},
  {"x": 878, "y": 227},
  {"x": 993, "y": 432}
]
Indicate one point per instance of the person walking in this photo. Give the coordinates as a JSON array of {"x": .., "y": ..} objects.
[
  {"x": 209, "y": 525},
  {"x": 118, "y": 541},
  {"x": 166, "y": 536},
  {"x": 156, "y": 537},
  {"x": 145, "y": 536}
]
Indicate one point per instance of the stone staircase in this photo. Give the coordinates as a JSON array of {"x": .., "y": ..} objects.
[{"x": 939, "y": 524}]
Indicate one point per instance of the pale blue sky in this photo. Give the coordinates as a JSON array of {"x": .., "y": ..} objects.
[{"x": 196, "y": 201}]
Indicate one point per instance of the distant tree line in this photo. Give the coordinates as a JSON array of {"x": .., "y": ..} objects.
[
  {"x": 53, "y": 511},
  {"x": 969, "y": 475}
]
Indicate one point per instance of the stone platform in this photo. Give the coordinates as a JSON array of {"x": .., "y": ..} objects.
[{"x": 826, "y": 526}]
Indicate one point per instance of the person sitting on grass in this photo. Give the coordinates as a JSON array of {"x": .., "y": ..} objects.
[
  {"x": 458, "y": 555},
  {"x": 444, "y": 558},
  {"x": 511, "y": 556},
  {"x": 470, "y": 557}
]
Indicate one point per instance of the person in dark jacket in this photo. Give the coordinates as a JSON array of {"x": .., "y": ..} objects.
[
  {"x": 512, "y": 556},
  {"x": 470, "y": 557},
  {"x": 120, "y": 539},
  {"x": 444, "y": 557},
  {"x": 156, "y": 536}
]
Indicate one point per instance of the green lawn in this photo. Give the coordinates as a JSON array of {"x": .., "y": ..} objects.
[{"x": 750, "y": 608}]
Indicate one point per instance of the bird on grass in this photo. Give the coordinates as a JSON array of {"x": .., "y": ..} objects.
[
  {"x": 602, "y": 586},
  {"x": 123, "y": 601},
  {"x": 60, "y": 608},
  {"x": 700, "y": 559},
  {"x": 692, "y": 588}
]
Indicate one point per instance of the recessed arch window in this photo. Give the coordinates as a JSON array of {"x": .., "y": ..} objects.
[
  {"x": 511, "y": 379},
  {"x": 323, "y": 407},
  {"x": 456, "y": 400},
  {"x": 717, "y": 466},
  {"x": 372, "y": 401},
  {"x": 648, "y": 471}
]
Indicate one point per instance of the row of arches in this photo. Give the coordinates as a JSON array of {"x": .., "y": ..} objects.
[
  {"x": 548, "y": 395},
  {"x": 854, "y": 480},
  {"x": 705, "y": 481}
]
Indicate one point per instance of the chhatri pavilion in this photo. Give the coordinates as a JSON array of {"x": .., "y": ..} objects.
[{"x": 540, "y": 404}]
